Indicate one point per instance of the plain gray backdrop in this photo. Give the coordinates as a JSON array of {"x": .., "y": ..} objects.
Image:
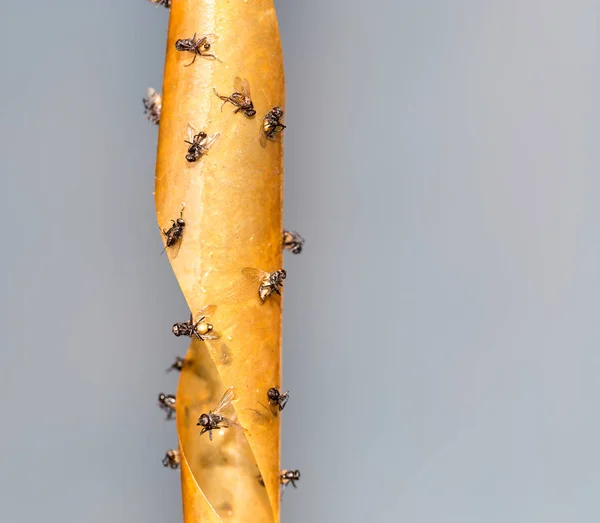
[{"x": 441, "y": 327}]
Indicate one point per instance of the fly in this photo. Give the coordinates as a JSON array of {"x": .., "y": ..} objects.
[
  {"x": 271, "y": 124},
  {"x": 167, "y": 403},
  {"x": 289, "y": 476},
  {"x": 214, "y": 420},
  {"x": 165, "y": 3},
  {"x": 198, "y": 45},
  {"x": 171, "y": 459},
  {"x": 177, "y": 365},
  {"x": 199, "y": 328},
  {"x": 278, "y": 399},
  {"x": 292, "y": 242},
  {"x": 152, "y": 106},
  {"x": 199, "y": 143},
  {"x": 174, "y": 233},
  {"x": 269, "y": 282},
  {"x": 240, "y": 97}
]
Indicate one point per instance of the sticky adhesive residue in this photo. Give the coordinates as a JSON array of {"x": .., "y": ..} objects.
[{"x": 233, "y": 194}]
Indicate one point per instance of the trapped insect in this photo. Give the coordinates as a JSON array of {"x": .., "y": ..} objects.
[
  {"x": 293, "y": 242},
  {"x": 214, "y": 420},
  {"x": 174, "y": 233},
  {"x": 165, "y": 3},
  {"x": 199, "y": 328},
  {"x": 271, "y": 124},
  {"x": 152, "y": 106},
  {"x": 177, "y": 364},
  {"x": 278, "y": 399},
  {"x": 269, "y": 282},
  {"x": 199, "y": 142},
  {"x": 171, "y": 459},
  {"x": 167, "y": 403},
  {"x": 289, "y": 476},
  {"x": 240, "y": 97},
  {"x": 198, "y": 45}
]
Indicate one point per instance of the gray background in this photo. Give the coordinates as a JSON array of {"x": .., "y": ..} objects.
[{"x": 441, "y": 333}]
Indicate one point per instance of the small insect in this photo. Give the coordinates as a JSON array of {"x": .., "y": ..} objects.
[
  {"x": 166, "y": 3},
  {"x": 200, "y": 328},
  {"x": 152, "y": 106},
  {"x": 269, "y": 282},
  {"x": 240, "y": 98},
  {"x": 198, "y": 45},
  {"x": 177, "y": 365},
  {"x": 214, "y": 420},
  {"x": 171, "y": 459},
  {"x": 289, "y": 476},
  {"x": 175, "y": 232},
  {"x": 199, "y": 142},
  {"x": 167, "y": 403},
  {"x": 271, "y": 125},
  {"x": 278, "y": 399},
  {"x": 292, "y": 242}
]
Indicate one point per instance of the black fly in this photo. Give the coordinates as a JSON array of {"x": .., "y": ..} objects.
[
  {"x": 278, "y": 399},
  {"x": 198, "y": 45},
  {"x": 240, "y": 98},
  {"x": 271, "y": 124},
  {"x": 292, "y": 242},
  {"x": 174, "y": 233},
  {"x": 152, "y": 106},
  {"x": 177, "y": 365},
  {"x": 289, "y": 476},
  {"x": 165, "y": 3},
  {"x": 167, "y": 403},
  {"x": 200, "y": 328},
  {"x": 214, "y": 420},
  {"x": 199, "y": 143},
  {"x": 269, "y": 282},
  {"x": 171, "y": 459}
]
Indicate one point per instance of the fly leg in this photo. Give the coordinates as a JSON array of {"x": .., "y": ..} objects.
[{"x": 196, "y": 53}]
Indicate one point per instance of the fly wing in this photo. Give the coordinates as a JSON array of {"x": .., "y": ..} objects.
[
  {"x": 210, "y": 37},
  {"x": 297, "y": 237},
  {"x": 262, "y": 136},
  {"x": 206, "y": 312},
  {"x": 254, "y": 274},
  {"x": 212, "y": 335},
  {"x": 173, "y": 250},
  {"x": 284, "y": 399},
  {"x": 246, "y": 88},
  {"x": 226, "y": 422},
  {"x": 242, "y": 86},
  {"x": 225, "y": 401},
  {"x": 238, "y": 85},
  {"x": 191, "y": 132},
  {"x": 208, "y": 142}
]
